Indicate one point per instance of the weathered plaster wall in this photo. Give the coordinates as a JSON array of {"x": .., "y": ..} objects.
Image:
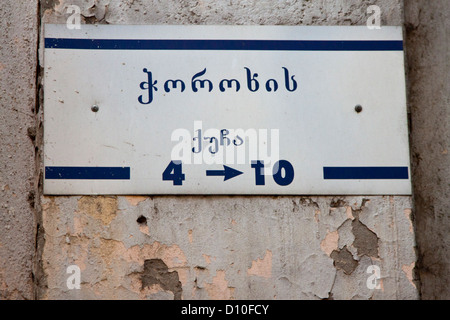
[
  {"x": 211, "y": 247},
  {"x": 260, "y": 12},
  {"x": 428, "y": 52},
  {"x": 18, "y": 61},
  {"x": 228, "y": 247}
]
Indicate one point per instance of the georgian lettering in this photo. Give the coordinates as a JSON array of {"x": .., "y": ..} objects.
[
  {"x": 200, "y": 81},
  {"x": 194, "y": 81},
  {"x": 149, "y": 86},
  {"x": 174, "y": 85}
]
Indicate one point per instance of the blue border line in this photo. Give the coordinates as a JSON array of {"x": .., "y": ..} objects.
[
  {"x": 245, "y": 45},
  {"x": 87, "y": 173},
  {"x": 365, "y": 173}
]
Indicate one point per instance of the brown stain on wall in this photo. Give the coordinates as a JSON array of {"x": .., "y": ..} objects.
[
  {"x": 156, "y": 272},
  {"x": 366, "y": 241},
  {"x": 171, "y": 255},
  {"x": 343, "y": 260}
]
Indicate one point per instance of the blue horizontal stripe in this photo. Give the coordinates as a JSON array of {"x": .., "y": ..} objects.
[
  {"x": 261, "y": 45},
  {"x": 87, "y": 173},
  {"x": 364, "y": 173}
]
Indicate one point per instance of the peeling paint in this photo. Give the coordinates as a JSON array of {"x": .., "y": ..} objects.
[
  {"x": 346, "y": 237},
  {"x": 343, "y": 260},
  {"x": 349, "y": 213},
  {"x": 316, "y": 215},
  {"x": 366, "y": 241},
  {"x": 330, "y": 243},
  {"x": 407, "y": 213},
  {"x": 135, "y": 200},
  {"x": 115, "y": 263},
  {"x": 157, "y": 273},
  {"x": 156, "y": 292},
  {"x": 144, "y": 229},
  {"x": 408, "y": 270},
  {"x": 262, "y": 267},
  {"x": 218, "y": 289},
  {"x": 111, "y": 248},
  {"x": 338, "y": 203},
  {"x": 319, "y": 245},
  {"x": 172, "y": 255},
  {"x": 207, "y": 258}
]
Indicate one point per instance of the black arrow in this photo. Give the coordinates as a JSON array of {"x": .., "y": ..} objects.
[{"x": 228, "y": 173}]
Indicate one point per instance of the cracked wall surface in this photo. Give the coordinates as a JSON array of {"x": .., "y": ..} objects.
[
  {"x": 196, "y": 247},
  {"x": 219, "y": 247},
  {"x": 211, "y": 247}
]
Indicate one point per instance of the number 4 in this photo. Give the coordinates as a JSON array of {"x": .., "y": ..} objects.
[{"x": 174, "y": 173}]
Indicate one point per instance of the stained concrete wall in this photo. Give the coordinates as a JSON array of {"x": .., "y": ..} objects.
[
  {"x": 211, "y": 247},
  {"x": 428, "y": 53},
  {"x": 18, "y": 61}
]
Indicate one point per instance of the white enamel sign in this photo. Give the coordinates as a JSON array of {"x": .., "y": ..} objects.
[{"x": 225, "y": 110}]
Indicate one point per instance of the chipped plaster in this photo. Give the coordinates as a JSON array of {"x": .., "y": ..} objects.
[
  {"x": 264, "y": 248},
  {"x": 222, "y": 247}
]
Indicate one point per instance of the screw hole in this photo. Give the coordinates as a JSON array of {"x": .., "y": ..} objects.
[
  {"x": 142, "y": 220},
  {"x": 358, "y": 108},
  {"x": 94, "y": 108}
]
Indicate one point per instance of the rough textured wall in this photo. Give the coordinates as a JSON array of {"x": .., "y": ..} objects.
[
  {"x": 18, "y": 61},
  {"x": 257, "y": 12},
  {"x": 428, "y": 52},
  {"x": 211, "y": 247}
]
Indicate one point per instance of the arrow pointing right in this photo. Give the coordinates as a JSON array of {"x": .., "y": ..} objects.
[{"x": 227, "y": 172}]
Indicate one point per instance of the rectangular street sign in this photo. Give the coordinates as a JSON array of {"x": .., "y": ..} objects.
[{"x": 225, "y": 110}]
